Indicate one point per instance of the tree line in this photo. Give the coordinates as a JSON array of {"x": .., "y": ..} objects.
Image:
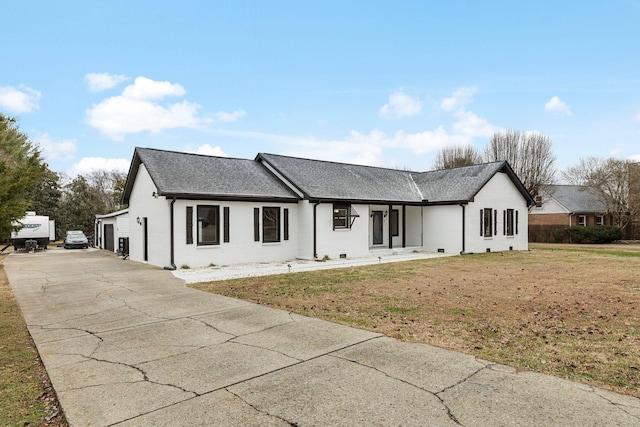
[{"x": 28, "y": 184}]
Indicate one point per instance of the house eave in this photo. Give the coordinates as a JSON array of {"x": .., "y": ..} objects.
[{"x": 229, "y": 197}]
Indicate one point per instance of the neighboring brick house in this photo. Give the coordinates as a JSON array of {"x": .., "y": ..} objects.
[{"x": 569, "y": 205}]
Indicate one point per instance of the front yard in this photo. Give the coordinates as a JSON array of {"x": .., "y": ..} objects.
[{"x": 566, "y": 310}]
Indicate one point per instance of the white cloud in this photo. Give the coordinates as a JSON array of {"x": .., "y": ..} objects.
[
  {"x": 21, "y": 100},
  {"x": 635, "y": 158},
  {"x": 458, "y": 99},
  {"x": 103, "y": 81},
  {"x": 400, "y": 105},
  {"x": 147, "y": 89},
  {"x": 211, "y": 151},
  {"x": 368, "y": 148},
  {"x": 138, "y": 110},
  {"x": 557, "y": 107},
  {"x": 229, "y": 117},
  {"x": 89, "y": 164},
  {"x": 56, "y": 149}
]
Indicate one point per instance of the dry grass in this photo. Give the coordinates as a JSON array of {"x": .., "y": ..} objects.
[
  {"x": 26, "y": 397},
  {"x": 571, "y": 311}
]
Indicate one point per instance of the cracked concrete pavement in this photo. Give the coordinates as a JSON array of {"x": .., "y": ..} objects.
[{"x": 127, "y": 344}]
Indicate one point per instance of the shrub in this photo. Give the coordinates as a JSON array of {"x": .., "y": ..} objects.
[{"x": 599, "y": 234}]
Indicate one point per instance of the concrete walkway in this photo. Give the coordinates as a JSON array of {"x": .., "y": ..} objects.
[{"x": 130, "y": 345}]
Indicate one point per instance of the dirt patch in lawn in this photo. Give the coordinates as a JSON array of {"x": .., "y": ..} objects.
[
  {"x": 26, "y": 395},
  {"x": 566, "y": 310}
]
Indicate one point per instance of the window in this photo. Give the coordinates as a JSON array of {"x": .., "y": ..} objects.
[
  {"x": 509, "y": 222},
  {"x": 270, "y": 224},
  {"x": 341, "y": 216},
  {"x": 208, "y": 225},
  {"x": 486, "y": 222},
  {"x": 395, "y": 222},
  {"x": 582, "y": 220},
  {"x": 189, "y": 225},
  {"x": 599, "y": 220}
]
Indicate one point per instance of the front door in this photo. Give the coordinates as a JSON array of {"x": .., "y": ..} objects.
[{"x": 377, "y": 227}]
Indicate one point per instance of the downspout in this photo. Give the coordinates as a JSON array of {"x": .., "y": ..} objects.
[
  {"x": 315, "y": 231},
  {"x": 171, "y": 237}
]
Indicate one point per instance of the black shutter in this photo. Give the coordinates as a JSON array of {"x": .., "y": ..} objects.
[
  {"x": 256, "y": 224},
  {"x": 495, "y": 222},
  {"x": 286, "y": 224},
  {"x": 516, "y": 222},
  {"x": 225, "y": 225},
  {"x": 189, "y": 225},
  {"x": 481, "y": 222}
]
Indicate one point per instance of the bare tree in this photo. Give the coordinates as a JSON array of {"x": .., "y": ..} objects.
[
  {"x": 456, "y": 156},
  {"x": 529, "y": 154},
  {"x": 610, "y": 178},
  {"x": 107, "y": 185}
]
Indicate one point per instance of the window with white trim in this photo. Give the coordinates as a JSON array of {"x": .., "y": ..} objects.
[
  {"x": 270, "y": 224},
  {"x": 486, "y": 222},
  {"x": 509, "y": 223},
  {"x": 343, "y": 216},
  {"x": 582, "y": 220},
  {"x": 208, "y": 225},
  {"x": 599, "y": 219}
]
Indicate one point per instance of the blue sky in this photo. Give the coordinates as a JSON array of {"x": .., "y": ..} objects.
[{"x": 384, "y": 83}]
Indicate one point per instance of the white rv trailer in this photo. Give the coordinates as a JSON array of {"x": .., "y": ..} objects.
[{"x": 36, "y": 232}]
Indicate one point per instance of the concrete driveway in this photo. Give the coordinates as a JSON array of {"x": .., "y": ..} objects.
[{"x": 127, "y": 344}]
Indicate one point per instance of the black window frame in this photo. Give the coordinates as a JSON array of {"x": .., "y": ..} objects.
[
  {"x": 341, "y": 216},
  {"x": 200, "y": 209},
  {"x": 487, "y": 222},
  {"x": 271, "y": 214},
  {"x": 509, "y": 222}
]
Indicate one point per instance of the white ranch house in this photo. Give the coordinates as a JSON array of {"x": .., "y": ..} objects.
[{"x": 196, "y": 210}]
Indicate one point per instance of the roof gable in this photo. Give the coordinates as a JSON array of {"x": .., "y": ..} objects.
[
  {"x": 460, "y": 185},
  {"x": 186, "y": 175}
]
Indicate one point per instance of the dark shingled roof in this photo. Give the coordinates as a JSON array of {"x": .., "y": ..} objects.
[
  {"x": 194, "y": 176},
  {"x": 455, "y": 185},
  {"x": 321, "y": 180},
  {"x": 577, "y": 198},
  {"x": 198, "y": 176}
]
